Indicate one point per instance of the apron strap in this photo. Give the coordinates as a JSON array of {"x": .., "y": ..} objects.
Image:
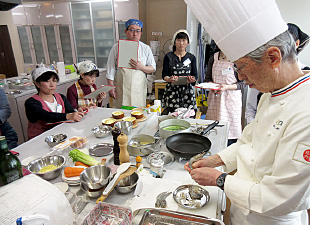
[{"x": 81, "y": 101}]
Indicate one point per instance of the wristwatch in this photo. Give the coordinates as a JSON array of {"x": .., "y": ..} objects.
[{"x": 221, "y": 180}]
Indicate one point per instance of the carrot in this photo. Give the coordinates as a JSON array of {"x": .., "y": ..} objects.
[
  {"x": 79, "y": 163},
  {"x": 73, "y": 171}
]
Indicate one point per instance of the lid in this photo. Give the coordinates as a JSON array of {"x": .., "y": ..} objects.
[{"x": 157, "y": 162}]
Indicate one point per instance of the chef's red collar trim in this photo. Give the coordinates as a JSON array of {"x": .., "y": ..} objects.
[{"x": 291, "y": 87}]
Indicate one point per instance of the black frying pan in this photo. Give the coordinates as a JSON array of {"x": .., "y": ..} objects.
[{"x": 187, "y": 145}]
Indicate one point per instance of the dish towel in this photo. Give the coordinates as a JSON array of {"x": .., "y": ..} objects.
[{"x": 151, "y": 188}]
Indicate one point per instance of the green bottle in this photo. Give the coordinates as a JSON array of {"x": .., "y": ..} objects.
[{"x": 10, "y": 166}]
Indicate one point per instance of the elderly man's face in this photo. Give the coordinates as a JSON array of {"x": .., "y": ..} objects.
[
  {"x": 256, "y": 75},
  {"x": 133, "y": 33}
]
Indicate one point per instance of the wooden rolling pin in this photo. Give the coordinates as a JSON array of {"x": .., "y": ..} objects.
[{"x": 127, "y": 173}]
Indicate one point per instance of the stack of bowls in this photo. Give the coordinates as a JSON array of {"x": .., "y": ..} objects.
[
  {"x": 127, "y": 184},
  {"x": 94, "y": 179}
]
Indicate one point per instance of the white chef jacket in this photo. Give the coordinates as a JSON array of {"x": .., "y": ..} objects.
[
  {"x": 272, "y": 158},
  {"x": 145, "y": 56}
]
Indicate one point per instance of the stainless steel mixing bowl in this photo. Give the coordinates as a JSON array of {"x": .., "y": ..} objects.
[
  {"x": 102, "y": 131},
  {"x": 96, "y": 177},
  {"x": 124, "y": 126},
  {"x": 127, "y": 184},
  {"x": 36, "y": 165}
]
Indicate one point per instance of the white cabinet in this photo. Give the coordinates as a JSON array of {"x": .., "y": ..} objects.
[
  {"x": 45, "y": 32},
  {"x": 47, "y": 44},
  {"x": 62, "y": 13},
  {"x": 58, "y": 13},
  {"x": 19, "y": 15},
  {"x": 32, "y": 12},
  {"x": 93, "y": 25}
]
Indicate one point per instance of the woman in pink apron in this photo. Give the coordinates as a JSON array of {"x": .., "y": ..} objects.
[
  {"x": 225, "y": 104},
  {"x": 47, "y": 107},
  {"x": 84, "y": 86}
]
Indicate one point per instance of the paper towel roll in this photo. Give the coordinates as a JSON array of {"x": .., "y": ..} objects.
[
  {"x": 61, "y": 68},
  {"x": 157, "y": 102},
  {"x": 155, "y": 45}
]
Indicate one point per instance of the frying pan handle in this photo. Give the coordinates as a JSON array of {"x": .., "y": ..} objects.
[{"x": 209, "y": 127}]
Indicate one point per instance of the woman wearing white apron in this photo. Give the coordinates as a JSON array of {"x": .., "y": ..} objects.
[
  {"x": 131, "y": 86},
  {"x": 225, "y": 104}
]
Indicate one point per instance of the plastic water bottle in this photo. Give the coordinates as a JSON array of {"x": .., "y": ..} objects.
[{"x": 37, "y": 219}]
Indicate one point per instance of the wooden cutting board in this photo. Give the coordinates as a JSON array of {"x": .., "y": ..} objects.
[{"x": 127, "y": 173}]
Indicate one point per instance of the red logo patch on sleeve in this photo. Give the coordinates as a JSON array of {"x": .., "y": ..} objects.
[{"x": 306, "y": 155}]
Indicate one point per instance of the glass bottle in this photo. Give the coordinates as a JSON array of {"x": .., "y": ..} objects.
[
  {"x": 116, "y": 150},
  {"x": 10, "y": 166}
]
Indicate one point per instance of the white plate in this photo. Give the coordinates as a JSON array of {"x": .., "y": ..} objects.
[
  {"x": 27, "y": 160},
  {"x": 74, "y": 179},
  {"x": 62, "y": 186},
  {"x": 211, "y": 86}
]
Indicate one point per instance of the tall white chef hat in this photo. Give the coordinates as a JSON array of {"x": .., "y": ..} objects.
[{"x": 239, "y": 26}]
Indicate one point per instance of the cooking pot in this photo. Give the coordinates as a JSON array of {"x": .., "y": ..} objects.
[
  {"x": 142, "y": 149},
  {"x": 173, "y": 122},
  {"x": 187, "y": 145}
]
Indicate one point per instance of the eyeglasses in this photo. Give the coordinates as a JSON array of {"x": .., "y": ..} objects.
[
  {"x": 133, "y": 31},
  {"x": 237, "y": 70}
]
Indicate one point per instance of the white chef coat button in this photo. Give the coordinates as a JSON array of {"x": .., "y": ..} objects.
[
  {"x": 252, "y": 160},
  {"x": 268, "y": 133},
  {"x": 282, "y": 102}
]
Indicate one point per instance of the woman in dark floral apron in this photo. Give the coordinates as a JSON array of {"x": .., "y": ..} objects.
[{"x": 180, "y": 73}]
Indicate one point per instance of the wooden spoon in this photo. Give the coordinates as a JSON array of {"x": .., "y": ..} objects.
[{"x": 127, "y": 173}]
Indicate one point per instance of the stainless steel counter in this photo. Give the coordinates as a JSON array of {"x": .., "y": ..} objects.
[{"x": 175, "y": 171}]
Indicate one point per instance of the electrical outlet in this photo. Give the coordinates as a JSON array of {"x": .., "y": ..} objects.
[{"x": 157, "y": 33}]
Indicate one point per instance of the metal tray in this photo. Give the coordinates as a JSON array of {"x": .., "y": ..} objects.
[
  {"x": 21, "y": 86},
  {"x": 13, "y": 92},
  {"x": 100, "y": 150},
  {"x": 163, "y": 217},
  {"x": 182, "y": 197}
]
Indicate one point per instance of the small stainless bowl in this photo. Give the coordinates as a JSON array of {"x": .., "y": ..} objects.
[
  {"x": 90, "y": 192},
  {"x": 101, "y": 131},
  {"x": 55, "y": 139},
  {"x": 124, "y": 126},
  {"x": 127, "y": 184},
  {"x": 96, "y": 177},
  {"x": 36, "y": 165}
]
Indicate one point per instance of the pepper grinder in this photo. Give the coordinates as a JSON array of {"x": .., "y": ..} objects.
[
  {"x": 123, "y": 155},
  {"x": 115, "y": 133}
]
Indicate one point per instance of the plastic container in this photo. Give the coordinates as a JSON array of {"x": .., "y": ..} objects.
[
  {"x": 71, "y": 143},
  {"x": 104, "y": 213}
]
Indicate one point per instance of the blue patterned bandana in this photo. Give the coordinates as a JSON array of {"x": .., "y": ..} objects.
[
  {"x": 134, "y": 22},
  {"x": 87, "y": 66}
]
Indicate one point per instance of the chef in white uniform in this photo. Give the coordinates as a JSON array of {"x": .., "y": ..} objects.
[
  {"x": 272, "y": 157},
  {"x": 131, "y": 84}
]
